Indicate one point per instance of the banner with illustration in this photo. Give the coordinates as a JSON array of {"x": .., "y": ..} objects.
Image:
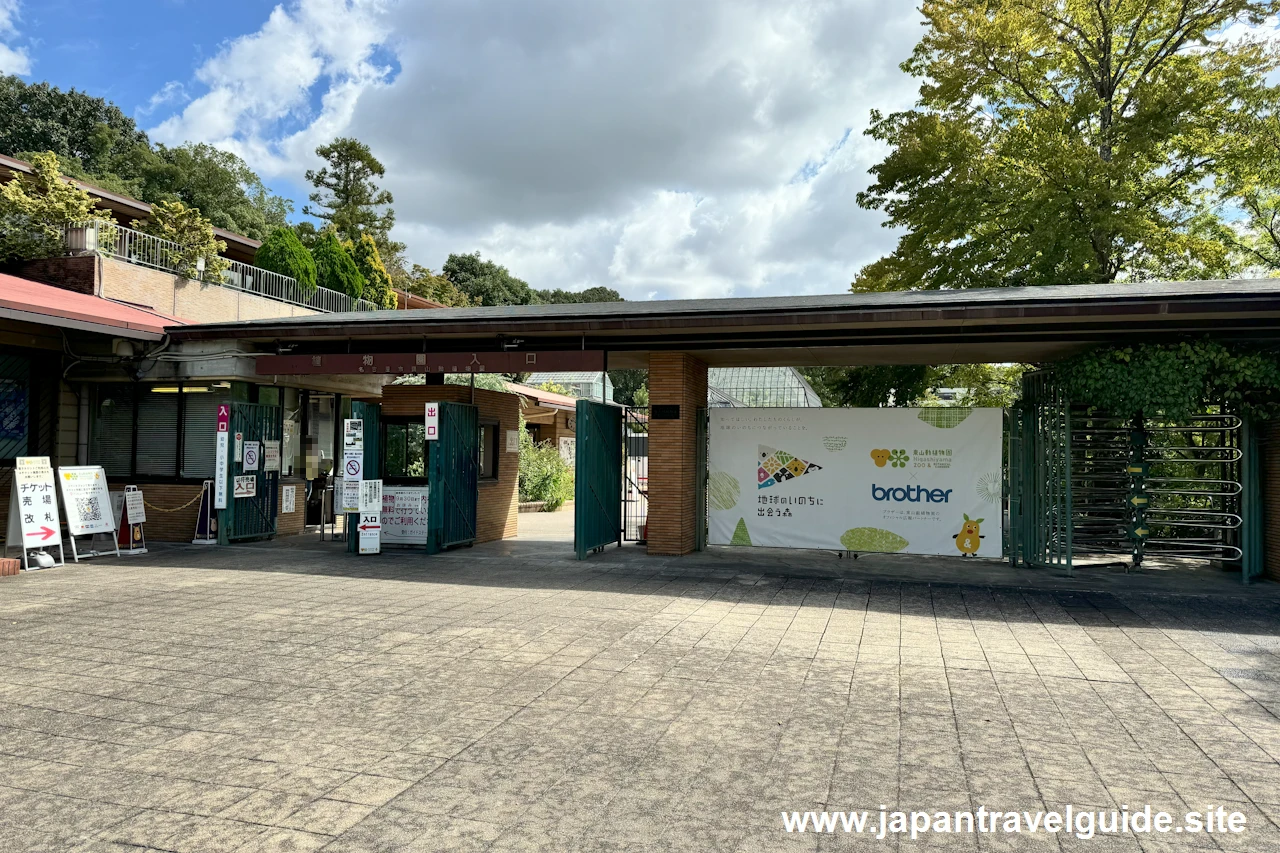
[{"x": 914, "y": 481}]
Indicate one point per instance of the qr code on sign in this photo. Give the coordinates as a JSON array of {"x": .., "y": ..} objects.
[{"x": 90, "y": 508}]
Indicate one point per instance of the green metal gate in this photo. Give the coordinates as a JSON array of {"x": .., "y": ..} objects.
[
  {"x": 1039, "y": 451},
  {"x": 597, "y": 509},
  {"x": 453, "y": 478},
  {"x": 249, "y": 518}
]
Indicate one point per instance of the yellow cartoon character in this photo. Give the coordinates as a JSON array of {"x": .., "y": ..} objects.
[
  {"x": 880, "y": 457},
  {"x": 969, "y": 540}
]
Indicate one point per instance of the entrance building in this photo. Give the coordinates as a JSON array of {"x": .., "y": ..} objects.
[{"x": 678, "y": 341}]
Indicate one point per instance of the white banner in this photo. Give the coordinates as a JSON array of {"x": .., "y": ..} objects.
[
  {"x": 915, "y": 481},
  {"x": 404, "y": 515}
]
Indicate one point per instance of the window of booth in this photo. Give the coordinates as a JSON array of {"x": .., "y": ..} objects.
[
  {"x": 15, "y": 405},
  {"x": 488, "y": 469},
  {"x": 405, "y": 456},
  {"x": 155, "y": 431}
]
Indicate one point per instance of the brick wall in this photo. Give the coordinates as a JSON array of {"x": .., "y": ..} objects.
[
  {"x": 190, "y": 300},
  {"x": 176, "y": 525},
  {"x": 1270, "y": 450},
  {"x": 79, "y": 273},
  {"x": 496, "y": 511},
  {"x": 674, "y": 379}
]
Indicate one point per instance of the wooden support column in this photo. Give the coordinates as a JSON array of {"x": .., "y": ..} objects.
[{"x": 677, "y": 390}]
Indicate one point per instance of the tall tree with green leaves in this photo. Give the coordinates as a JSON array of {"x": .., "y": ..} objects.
[
  {"x": 335, "y": 268},
  {"x": 89, "y": 135},
  {"x": 219, "y": 183},
  {"x": 487, "y": 283},
  {"x": 1066, "y": 141},
  {"x": 425, "y": 283},
  {"x": 348, "y": 198},
  {"x": 284, "y": 253},
  {"x": 377, "y": 282}
]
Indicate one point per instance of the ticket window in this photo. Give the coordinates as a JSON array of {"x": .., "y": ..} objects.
[{"x": 318, "y": 442}]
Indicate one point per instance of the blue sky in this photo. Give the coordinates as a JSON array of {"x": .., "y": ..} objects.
[{"x": 664, "y": 148}]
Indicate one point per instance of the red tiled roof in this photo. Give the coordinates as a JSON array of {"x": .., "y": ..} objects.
[{"x": 23, "y": 299}]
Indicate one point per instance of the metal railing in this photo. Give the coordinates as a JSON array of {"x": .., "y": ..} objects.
[{"x": 135, "y": 247}]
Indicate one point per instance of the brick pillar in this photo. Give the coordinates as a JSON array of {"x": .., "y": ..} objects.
[{"x": 680, "y": 380}]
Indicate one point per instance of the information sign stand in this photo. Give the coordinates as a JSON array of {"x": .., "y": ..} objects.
[
  {"x": 88, "y": 505},
  {"x": 130, "y": 517},
  {"x": 33, "y": 511},
  {"x": 207, "y": 519}
]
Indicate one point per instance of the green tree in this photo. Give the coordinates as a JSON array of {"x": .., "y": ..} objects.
[
  {"x": 377, "y": 282},
  {"x": 174, "y": 221},
  {"x": 89, "y": 134},
  {"x": 627, "y": 385},
  {"x": 870, "y": 386},
  {"x": 284, "y": 253},
  {"x": 220, "y": 184},
  {"x": 590, "y": 294},
  {"x": 1065, "y": 141},
  {"x": 487, "y": 283},
  {"x": 335, "y": 268},
  {"x": 423, "y": 282},
  {"x": 34, "y": 208}
]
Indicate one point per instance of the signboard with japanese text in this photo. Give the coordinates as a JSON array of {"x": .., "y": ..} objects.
[
  {"x": 915, "y": 481},
  {"x": 404, "y": 515},
  {"x": 352, "y": 463},
  {"x": 288, "y": 500},
  {"x": 370, "y": 533},
  {"x": 270, "y": 456},
  {"x": 246, "y": 486},
  {"x": 86, "y": 499},
  {"x": 432, "y": 421},
  {"x": 221, "y": 452},
  {"x": 33, "y": 505},
  {"x": 370, "y": 496}
]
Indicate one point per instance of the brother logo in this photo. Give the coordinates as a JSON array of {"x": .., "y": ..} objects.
[{"x": 915, "y": 494}]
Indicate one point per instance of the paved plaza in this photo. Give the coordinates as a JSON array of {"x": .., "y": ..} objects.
[{"x": 290, "y": 697}]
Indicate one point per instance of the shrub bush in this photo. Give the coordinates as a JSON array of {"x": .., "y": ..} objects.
[
  {"x": 284, "y": 253},
  {"x": 335, "y": 268},
  {"x": 544, "y": 475}
]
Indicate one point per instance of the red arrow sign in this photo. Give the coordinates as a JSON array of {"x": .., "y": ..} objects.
[
  {"x": 371, "y": 527},
  {"x": 45, "y": 531}
]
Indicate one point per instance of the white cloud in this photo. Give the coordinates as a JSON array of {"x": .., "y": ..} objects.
[
  {"x": 13, "y": 60},
  {"x": 663, "y": 148}
]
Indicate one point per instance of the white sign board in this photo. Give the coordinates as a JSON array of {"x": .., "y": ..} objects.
[
  {"x": 370, "y": 496},
  {"x": 270, "y": 456},
  {"x": 288, "y": 500},
  {"x": 404, "y": 515},
  {"x": 246, "y": 486},
  {"x": 136, "y": 506},
  {"x": 33, "y": 504},
  {"x": 352, "y": 434},
  {"x": 350, "y": 494},
  {"x": 220, "y": 457},
  {"x": 87, "y": 501},
  {"x": 915, "y": 481},
  {"x": 370, "y": 533},
  {"x": 433, "y": 421},
  {"x": 239, "y": 446},
  {"x": 252, "y": 455},
  {"x": 513, "y": 441}
]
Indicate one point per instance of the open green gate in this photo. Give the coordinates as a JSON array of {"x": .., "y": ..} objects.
[
  {"x": 250, "y": 518},
  {"x": 453, "y": 476},
  {"x": 597, "y": 508}
]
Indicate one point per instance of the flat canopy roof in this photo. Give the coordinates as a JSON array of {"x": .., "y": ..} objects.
[
  {"x": 912, "y": 327},
  {"x": 33, "y": 302}
]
